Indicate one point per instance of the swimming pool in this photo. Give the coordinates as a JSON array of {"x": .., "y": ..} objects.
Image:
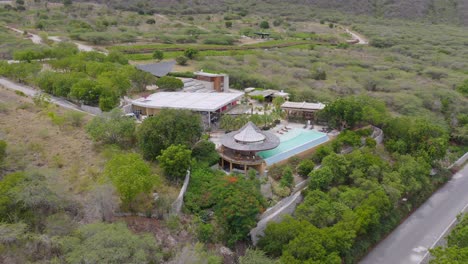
[{"x": 292, "y": 143}]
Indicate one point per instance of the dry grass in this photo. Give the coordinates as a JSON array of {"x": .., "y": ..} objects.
[{"x": 34, "y": 142}]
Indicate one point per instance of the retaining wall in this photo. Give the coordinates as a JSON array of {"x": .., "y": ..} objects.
[{"x": 177, "y": 204}]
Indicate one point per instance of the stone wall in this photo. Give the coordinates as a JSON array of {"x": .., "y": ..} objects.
[{"x": 275, "y": 213}]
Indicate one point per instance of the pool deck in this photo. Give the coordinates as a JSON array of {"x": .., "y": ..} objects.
[{"x": 215, "y": 137}]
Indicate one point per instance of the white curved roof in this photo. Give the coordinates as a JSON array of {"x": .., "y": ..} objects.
[{"x": 190, "y": 101}]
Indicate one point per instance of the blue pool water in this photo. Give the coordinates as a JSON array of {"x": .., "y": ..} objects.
[{"x": 292, "y": 143}]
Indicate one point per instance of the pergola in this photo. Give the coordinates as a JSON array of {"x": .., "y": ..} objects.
[
  {"x": 239, "y": 148},
  {"x": 307, "y": 110}
]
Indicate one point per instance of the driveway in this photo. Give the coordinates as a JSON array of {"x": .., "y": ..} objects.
[
  {"x": 31, "y": 92},
  {"x": 409, "y": 243}
]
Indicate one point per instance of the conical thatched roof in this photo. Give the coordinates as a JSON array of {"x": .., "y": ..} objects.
[
  {"x": 250, "y": 138},
  {"x": 249, "y": 134}
]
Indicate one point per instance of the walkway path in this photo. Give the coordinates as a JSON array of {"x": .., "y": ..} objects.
[
  {"x": 409, "y": 243},
  {"x": 358, "y": 37},
  {"x": 36, "y": 39},
  {"x": 29, "y": 91}
]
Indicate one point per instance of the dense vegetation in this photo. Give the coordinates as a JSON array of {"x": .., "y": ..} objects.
[
  {"x": 416, "y": 69},
  {"x": 456, "y": 250},
  {"x": 354, "y": 199},
  {"x": 214, "y": 191}
]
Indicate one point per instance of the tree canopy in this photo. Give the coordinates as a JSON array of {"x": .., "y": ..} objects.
[
  {"x": 175, "y": 161},
  {"x": 167, "y": 128},
  {"x": 131, "y": 175}
]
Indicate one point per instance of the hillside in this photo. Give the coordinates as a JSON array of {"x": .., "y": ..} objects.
[{"x": 435, "y": 11}]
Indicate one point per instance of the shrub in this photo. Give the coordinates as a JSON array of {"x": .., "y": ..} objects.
[
  {"x": 370, "y": 142},
  {"x": 319, "y": 74},
  {"x": 74, "y": 118},
  {"x": 305, "y": 167},
  {"x": 112, "y": 128},
  {"x": 321, "y": 153},
  {"x": 169, "y": 83},
  {"x": 182, "y": 60},
  {"x": 190, "y": 53},
  {"x": 3, "y": 146},
  {"x": 228, "y": 24},
  {"x": 158, "y": 55},
  {"x": 205, "y": 232},
  {"x": 150, "y": 21},
  {"x": 264, "y": 25},
  {"x": 287, "y": 179},
  {"x": 463, "y": 88}
]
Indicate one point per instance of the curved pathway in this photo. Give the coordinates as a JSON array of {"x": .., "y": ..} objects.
[
  {"x": 409, "y": 243},
  {"x": 36, "y": 39},
  {"x": 361, "y": 40}
]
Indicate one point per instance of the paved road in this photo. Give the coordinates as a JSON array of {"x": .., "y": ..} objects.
[
  {"x": 29, "y": 91},
  {"x": 410, "y": 242}
]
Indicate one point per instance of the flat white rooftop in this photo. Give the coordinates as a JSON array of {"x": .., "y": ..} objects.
[
  {"x": 190, "y": 101},
  {"x": 303, "y": 106}
]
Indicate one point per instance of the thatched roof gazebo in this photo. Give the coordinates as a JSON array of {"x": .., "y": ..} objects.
[{"x": 239, "y": 148}]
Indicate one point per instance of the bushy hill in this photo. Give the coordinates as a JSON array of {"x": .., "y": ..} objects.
[{"x": 451, "y": 11}]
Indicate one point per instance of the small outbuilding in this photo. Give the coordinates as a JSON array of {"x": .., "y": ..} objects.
[{"x": 306, "y": 110}]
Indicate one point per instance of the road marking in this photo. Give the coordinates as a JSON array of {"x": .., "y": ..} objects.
[{"x": 442, "y": 235}]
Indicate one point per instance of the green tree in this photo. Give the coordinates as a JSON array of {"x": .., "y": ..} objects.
[
  {"x": 456, "y": 251},
  {"x": 112, "y": 128},
  {"x": 158, "y": 55},
  {"x": 140, "y": 79},
  {"x": 237, "y": 216},
  {"x": 459, "y": 235},
  {"x": 278, "y": 101},
  {"x": 339, "y": 166},
  {"x": 109, "y": 243},
  {"x": 175, "y": 161},
  {"x": 264, "y": 25},
  {"x": 169, "y": 83},
  {"x": 320, "y": 210},
  {"x": 305, "y": 167},
  {"x": 278, "y": 235},
  {"x": 190, "y": 53},
  {"x": 321, "y": 178},
  {"x": 86, "y": 91},
  {"x": 169, "y": 127},
  {"x": 343, "y": 113},
  {"x": 130, "y": 175},
  {"x": 205, "y": 152}
]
